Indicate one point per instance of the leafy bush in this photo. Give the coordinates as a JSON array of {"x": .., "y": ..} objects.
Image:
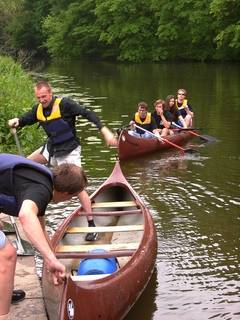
[{"x": 16, "y": 96}]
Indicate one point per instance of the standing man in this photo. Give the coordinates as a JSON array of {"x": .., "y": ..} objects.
[
  {"x": 26, "y": 188},
  {"x": 57, "y": 116}
]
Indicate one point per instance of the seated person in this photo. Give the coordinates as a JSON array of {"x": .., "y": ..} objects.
[
  {"x": 184, "y": 107},
  {"x": 143, "y": 119},
  {"x": 163, "y": 118},
  {"x": 175, "y": 113}
]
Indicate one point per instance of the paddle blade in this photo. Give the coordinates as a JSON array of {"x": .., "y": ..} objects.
[
  {"x": 8, "y": 228},
  {"x": 208, "y": 139},
  {"x": 191, "y": 151}
]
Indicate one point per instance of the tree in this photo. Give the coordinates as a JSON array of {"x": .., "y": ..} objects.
[
  {"x": 226, "y": 14},
  {"x": 72, "y": 32}
]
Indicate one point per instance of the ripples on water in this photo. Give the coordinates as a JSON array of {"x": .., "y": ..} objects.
[{"x": 198, "y": 238}]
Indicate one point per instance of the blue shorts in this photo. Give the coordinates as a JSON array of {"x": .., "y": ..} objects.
[{"x": 2, "y": 239}]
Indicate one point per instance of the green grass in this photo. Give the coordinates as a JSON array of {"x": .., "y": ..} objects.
[{"x": 16, "y": 96}]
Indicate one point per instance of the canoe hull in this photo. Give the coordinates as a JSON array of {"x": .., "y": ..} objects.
[
  {"x": 113, "y": 296},
  {"x": 131, "y": 147}
]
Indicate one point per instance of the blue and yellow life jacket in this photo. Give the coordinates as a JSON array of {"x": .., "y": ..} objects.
[
  {"x": 8, "y": 162},
  {"x": 57, "y": 129}
]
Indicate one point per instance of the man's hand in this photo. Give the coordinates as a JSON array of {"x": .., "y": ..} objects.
[
  {"x": 13, "y": 123},
  {"x": 57, "y": 269},
  {"x": 156, "y": 132},
  {"x": 109, "y": 136}
]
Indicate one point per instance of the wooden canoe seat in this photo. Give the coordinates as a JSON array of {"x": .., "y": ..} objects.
[
  {"x": 88, "y": 247},
  {"x": 89, "y": 277},
  {"x": 137, "y": 227},
  {"x": 120, "y": 204},
  {"x": 96, "y": 255},
  {"x": 111, "y": 213}
]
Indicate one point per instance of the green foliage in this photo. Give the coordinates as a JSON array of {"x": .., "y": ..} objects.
[
  {"x": 9, "y": 10},
  {"x": 182, "y": 29},
  {"x": 26, "y": 27},
  {"x": 72, "y": 31},
  {"x": 226, "y": 14},
  {"x": 16, "y": 94},
  {"x": 135, "y": 31},
  {"x": 128, "y": 26}
]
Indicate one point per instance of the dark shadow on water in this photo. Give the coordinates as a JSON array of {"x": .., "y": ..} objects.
[{"x": 145, "y": 307}]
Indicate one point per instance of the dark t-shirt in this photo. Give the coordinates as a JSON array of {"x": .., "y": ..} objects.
[
  {"x": 29, "y": 184},
  {"x": 168, "y": 116}
]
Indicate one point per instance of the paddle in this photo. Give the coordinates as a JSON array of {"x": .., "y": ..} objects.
[
  {"x": 7, "y": 227},
  {"x": 185, "y": 129},
  {"x": 167, "y": 141},
  {"x": 203, "y": 137},
  {"x": 14, "y": 133},
  {"x": 24, "y": 248}
]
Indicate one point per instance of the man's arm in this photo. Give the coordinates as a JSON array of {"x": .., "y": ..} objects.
[
  {"x": 34, "y": 232},
  {"x": 27, "y": 118},
  {"x": 70, "y": 107}
]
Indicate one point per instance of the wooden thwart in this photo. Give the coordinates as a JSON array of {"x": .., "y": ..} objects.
[
  {"x": 89, "y": 277},
  {"x": 126, "y": 228},
  {"x": 108, "y": 247},
  {"x": 119, "y": 204},
  {"x": 111, "y": 213},
  {"x": 84, "y": 255}
]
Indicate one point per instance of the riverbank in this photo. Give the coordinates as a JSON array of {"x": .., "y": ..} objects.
[{"x": 32, "y": 307}]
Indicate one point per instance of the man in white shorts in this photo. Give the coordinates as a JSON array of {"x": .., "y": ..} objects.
[{"x": 57, "y": 116}]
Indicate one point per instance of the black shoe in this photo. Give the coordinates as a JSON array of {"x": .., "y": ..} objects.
[
  {"x": 18, "y": 295},
  {"x": 91, "y": 236}
]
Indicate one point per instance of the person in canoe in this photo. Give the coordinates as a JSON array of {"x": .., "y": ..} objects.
[
  {"x": 57, "y": 116},
  {"x": 176, "y": 115},
  {"x": 145, "y": 120},
  {"x": 26, "y": 188},
  {"x": 163, "y": 118},
  {"x": 184, "y": 107}
]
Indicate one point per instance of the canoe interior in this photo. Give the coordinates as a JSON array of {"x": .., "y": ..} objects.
[{"x": 123, "y": 238}]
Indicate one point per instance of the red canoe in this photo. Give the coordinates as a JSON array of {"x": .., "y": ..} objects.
[
  {"x": 126, "y": 232},
  {"x": 131, "y": 147}
]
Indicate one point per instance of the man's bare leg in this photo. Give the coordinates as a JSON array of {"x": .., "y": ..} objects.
[
  {"x": 37, "y": 156},
  {"x": 8, "y": 258}
]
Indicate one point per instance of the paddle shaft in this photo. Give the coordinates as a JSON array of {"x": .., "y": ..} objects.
[
  {"x": 193, "y": 133},
  {"x": 14, "y": 133},
  {"x": 162, "y": 139},
  {"x": 19, "y": 240}
]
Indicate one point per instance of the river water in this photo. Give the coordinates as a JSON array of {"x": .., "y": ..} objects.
[{"x": 194, "y": 199}]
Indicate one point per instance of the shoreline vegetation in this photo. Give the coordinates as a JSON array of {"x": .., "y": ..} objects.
[
  {"x": 16, "y": 96},
  {"x": 120, "y": 30}
]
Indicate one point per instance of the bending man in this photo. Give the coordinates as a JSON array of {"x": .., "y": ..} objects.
[{"x": 26, "y": 188}]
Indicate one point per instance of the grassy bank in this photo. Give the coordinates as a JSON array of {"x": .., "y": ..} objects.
[{"x": 16, "y": 97}]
